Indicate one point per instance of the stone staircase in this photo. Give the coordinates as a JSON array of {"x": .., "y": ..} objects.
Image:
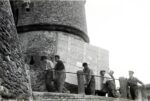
[{"x": 47, "y": 96}]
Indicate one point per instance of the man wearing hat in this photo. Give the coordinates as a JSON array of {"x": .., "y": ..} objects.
[{"x": 133, "y": 84}]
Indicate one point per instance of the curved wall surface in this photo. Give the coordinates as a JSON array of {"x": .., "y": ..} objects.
[{"x": 53, "y": 15}]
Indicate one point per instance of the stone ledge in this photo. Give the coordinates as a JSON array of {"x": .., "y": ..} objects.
[{"x": 47, "y": 96}]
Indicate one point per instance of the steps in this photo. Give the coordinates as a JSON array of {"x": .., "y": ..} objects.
[{"x": 47, "y": 96}]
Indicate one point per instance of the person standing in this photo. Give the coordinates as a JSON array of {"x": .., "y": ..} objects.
[
  {"x": 133, "y": 85},
  {"x": 48, "y": 64},
  {"x": 49, "y": 74},
  {"x": 111, "y": 73},
  {"x": 60, "y": 74},
  {"x": 104, "y": 90},
  {"x": 27, "y": 68},
  {"x": 110, "y": 84},
  {"x": 89, "y": 80}
]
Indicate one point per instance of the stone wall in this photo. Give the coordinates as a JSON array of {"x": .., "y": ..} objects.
[
  {"x": 57, "y": 27},
  {"x": 74, "y": 51},
  {"x": 12, "y": 71},
  {"x": 65, "y": 12},
  {"x": 142, "y": 94},
  {"x": 54, "y": 15},
  {"x": 34, "y": 45},
  {"x": 43, "y": 96}
]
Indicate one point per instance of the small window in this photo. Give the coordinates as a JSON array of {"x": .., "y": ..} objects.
[
  {"x": 32, "y": 61},
  {"x": 26, "y": 6}
]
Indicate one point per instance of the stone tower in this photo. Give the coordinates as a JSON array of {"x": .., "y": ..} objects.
[
  {"x": 40, "y": 23},
  {"x": 48, "y": 27},
  {"x": 54, "y": 15}
]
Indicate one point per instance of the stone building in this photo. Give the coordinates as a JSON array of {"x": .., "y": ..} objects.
[{"x": 49, "y": 27}]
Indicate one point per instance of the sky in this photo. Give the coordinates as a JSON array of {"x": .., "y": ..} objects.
[{"x": 123, "y": 28}]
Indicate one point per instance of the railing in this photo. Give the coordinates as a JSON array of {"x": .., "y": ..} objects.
[{"x": 80, "y": 82}]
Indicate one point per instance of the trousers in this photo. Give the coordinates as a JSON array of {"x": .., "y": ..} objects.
[
  {"x": 49, "y": 77},
  {"x": 59, "y": 80},
  {"x": 111, "y": 88},
  {"x": 134, "y": 92},
  {"x": 90, "y": 89}
]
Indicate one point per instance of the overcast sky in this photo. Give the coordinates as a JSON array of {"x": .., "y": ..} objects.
[{"x": 123, "y": 28}]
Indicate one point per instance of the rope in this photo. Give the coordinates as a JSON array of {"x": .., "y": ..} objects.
[{"x": 83, "y": 74}]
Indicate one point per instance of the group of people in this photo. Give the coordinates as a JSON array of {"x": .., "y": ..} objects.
[
  {"x": 56, "y": 74},
  {"x": 109, "y": 85},
  {"x": 108, "y": 82}
]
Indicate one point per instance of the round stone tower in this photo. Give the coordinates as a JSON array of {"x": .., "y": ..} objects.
[
  {"x": 53, "y": 15},
  {"x": 41, "y": 24}
]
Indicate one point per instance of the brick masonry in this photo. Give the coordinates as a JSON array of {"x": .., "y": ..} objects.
[
  {"x": 74, "y": 51},
  {"x": 57, "y": 27},
  {"x": 11, "y": 72},
  {"x": 34, "y": 45},
  {"x": 69, "y": 13}
]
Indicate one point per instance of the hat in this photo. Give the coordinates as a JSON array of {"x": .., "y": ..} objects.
[{"x": 130, "y": 71}]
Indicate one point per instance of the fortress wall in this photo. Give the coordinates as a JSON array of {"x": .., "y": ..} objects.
[
  {"x": 55, "y": 15},
  {"x": 73, "y": 51}
]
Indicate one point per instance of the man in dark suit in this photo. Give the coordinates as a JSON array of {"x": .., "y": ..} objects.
[{"x": 60, "y": 74}]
